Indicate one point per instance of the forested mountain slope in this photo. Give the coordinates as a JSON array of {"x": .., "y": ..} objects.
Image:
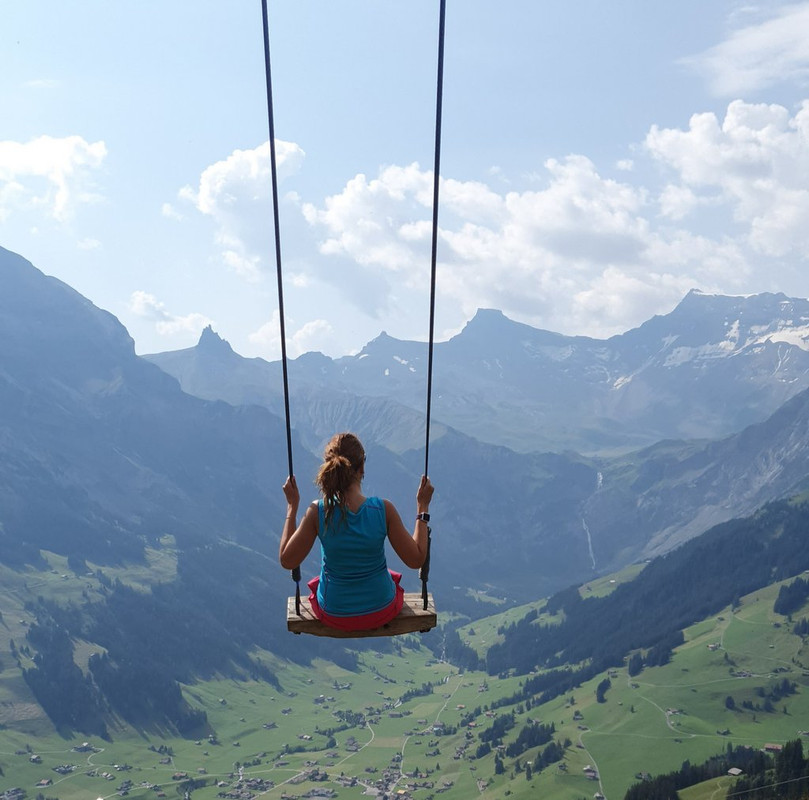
[
  {"x": 101, "y": 451},
  {"x": 671, "y": 593}
]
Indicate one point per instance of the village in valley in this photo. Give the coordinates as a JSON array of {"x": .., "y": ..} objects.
[{"x": 405, "y": 724}]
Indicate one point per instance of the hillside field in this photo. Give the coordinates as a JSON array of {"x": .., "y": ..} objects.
[{"x": 274, "y": 738}]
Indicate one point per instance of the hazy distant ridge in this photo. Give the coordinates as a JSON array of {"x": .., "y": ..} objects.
[{"x": 711, "y": 367}]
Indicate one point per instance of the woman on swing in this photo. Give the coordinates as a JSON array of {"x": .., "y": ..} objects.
[{"x": 355, "y": 590}]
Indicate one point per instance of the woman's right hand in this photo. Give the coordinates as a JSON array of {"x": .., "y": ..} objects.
[
  {"x": 291, "y": 492},
  {"x": 424, "y": 494}
]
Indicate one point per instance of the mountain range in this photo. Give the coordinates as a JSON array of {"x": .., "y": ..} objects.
[
  {"x": 733, "y": 369},
  {"x": 109, "y": 459},
  {"x": 124, "y": 454},
  {"x": 712, "y": 366}
]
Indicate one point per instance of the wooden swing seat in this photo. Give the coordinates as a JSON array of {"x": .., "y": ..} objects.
[{"x": 413, "y": 618}]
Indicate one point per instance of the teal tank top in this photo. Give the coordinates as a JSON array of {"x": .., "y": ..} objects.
[{"x": 354, "y": 577}]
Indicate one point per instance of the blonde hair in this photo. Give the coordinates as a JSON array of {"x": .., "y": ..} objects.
[{"x": 343, "y": 464}]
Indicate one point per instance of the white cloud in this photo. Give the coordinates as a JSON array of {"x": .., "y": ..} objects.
[
  {"x": 147, "y": 306},
  {"x": 88, "y": 244},
  {"x": 617, "y": 295},
  {"x": 497, "y": 173},
  {"x": 579, "y": 252},
  {"x": 677, "y": 201},
  {"x": 170, "y": 212},
  {"x": 43, "y": 83},
  {"x": 755, "y": 162},
  {"x": 299, "y": 280},
  {"x": 267, "y": 338},
  {"x": 372, "y": 222},
  {"x": 316, "y": 335},
  {"x": 584, "y": 253},
  {"x": 757, "y": 56},
  {"x": 236, "y": 194},
  {"x": 50, "y": 175}
]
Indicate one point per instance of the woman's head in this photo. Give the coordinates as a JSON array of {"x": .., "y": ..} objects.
[{"x": 343, "y": 465}]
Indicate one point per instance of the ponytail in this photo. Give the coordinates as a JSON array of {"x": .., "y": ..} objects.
[{"x": 343, "y": 464}]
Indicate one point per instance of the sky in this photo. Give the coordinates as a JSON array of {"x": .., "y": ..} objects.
[{"x": 599, "y": 160}]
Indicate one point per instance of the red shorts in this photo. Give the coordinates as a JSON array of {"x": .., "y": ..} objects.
[{"x": 362, "y": 622}]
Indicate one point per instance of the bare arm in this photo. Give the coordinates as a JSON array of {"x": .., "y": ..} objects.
[
  {"x": 412, "y": 549},
  {"x": 296, "y": 540}
]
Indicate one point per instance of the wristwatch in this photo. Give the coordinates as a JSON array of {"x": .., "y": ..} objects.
[{"x": 423, "y": 516}]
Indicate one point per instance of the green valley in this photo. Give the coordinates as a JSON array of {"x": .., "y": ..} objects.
[{"x": 406, "y": 724}]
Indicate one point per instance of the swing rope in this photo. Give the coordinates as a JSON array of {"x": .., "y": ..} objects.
[
  {"x": 296, "y": 573},
  {"x": 424, "y": 572},
  {"x": 439, "y": 98}
]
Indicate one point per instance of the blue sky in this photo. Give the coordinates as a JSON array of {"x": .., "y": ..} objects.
[{"x": 599, "y": 161}]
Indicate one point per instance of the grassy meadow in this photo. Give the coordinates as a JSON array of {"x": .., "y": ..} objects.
[{"x": 287, "y": 740}]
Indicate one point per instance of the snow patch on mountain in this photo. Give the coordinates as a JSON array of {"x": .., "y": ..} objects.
[
  {"x": 732, "y": 337},
  {"x": 405, "y": 363},
  {"x": 682, "y": 355},
  {"x": 796, "y": 336}
]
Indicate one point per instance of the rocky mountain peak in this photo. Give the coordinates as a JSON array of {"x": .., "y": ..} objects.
[
  {"x": 488, "y": 322},
  {"x": 212, "y": 343}
]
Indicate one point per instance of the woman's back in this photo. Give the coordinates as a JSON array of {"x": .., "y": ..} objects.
[{"x": 354, "y": 578}]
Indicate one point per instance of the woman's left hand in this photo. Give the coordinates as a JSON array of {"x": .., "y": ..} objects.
[
  {"x": 291, "y": 492},
  {"x": 296, "y": 540}
]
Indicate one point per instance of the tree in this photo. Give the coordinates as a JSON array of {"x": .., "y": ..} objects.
[
  {"x": 601, "y": 690},
  {"x": 790, "y": 765},
  {"x": 483, "y": 749},
  {"x": 635, "y": 665}
]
